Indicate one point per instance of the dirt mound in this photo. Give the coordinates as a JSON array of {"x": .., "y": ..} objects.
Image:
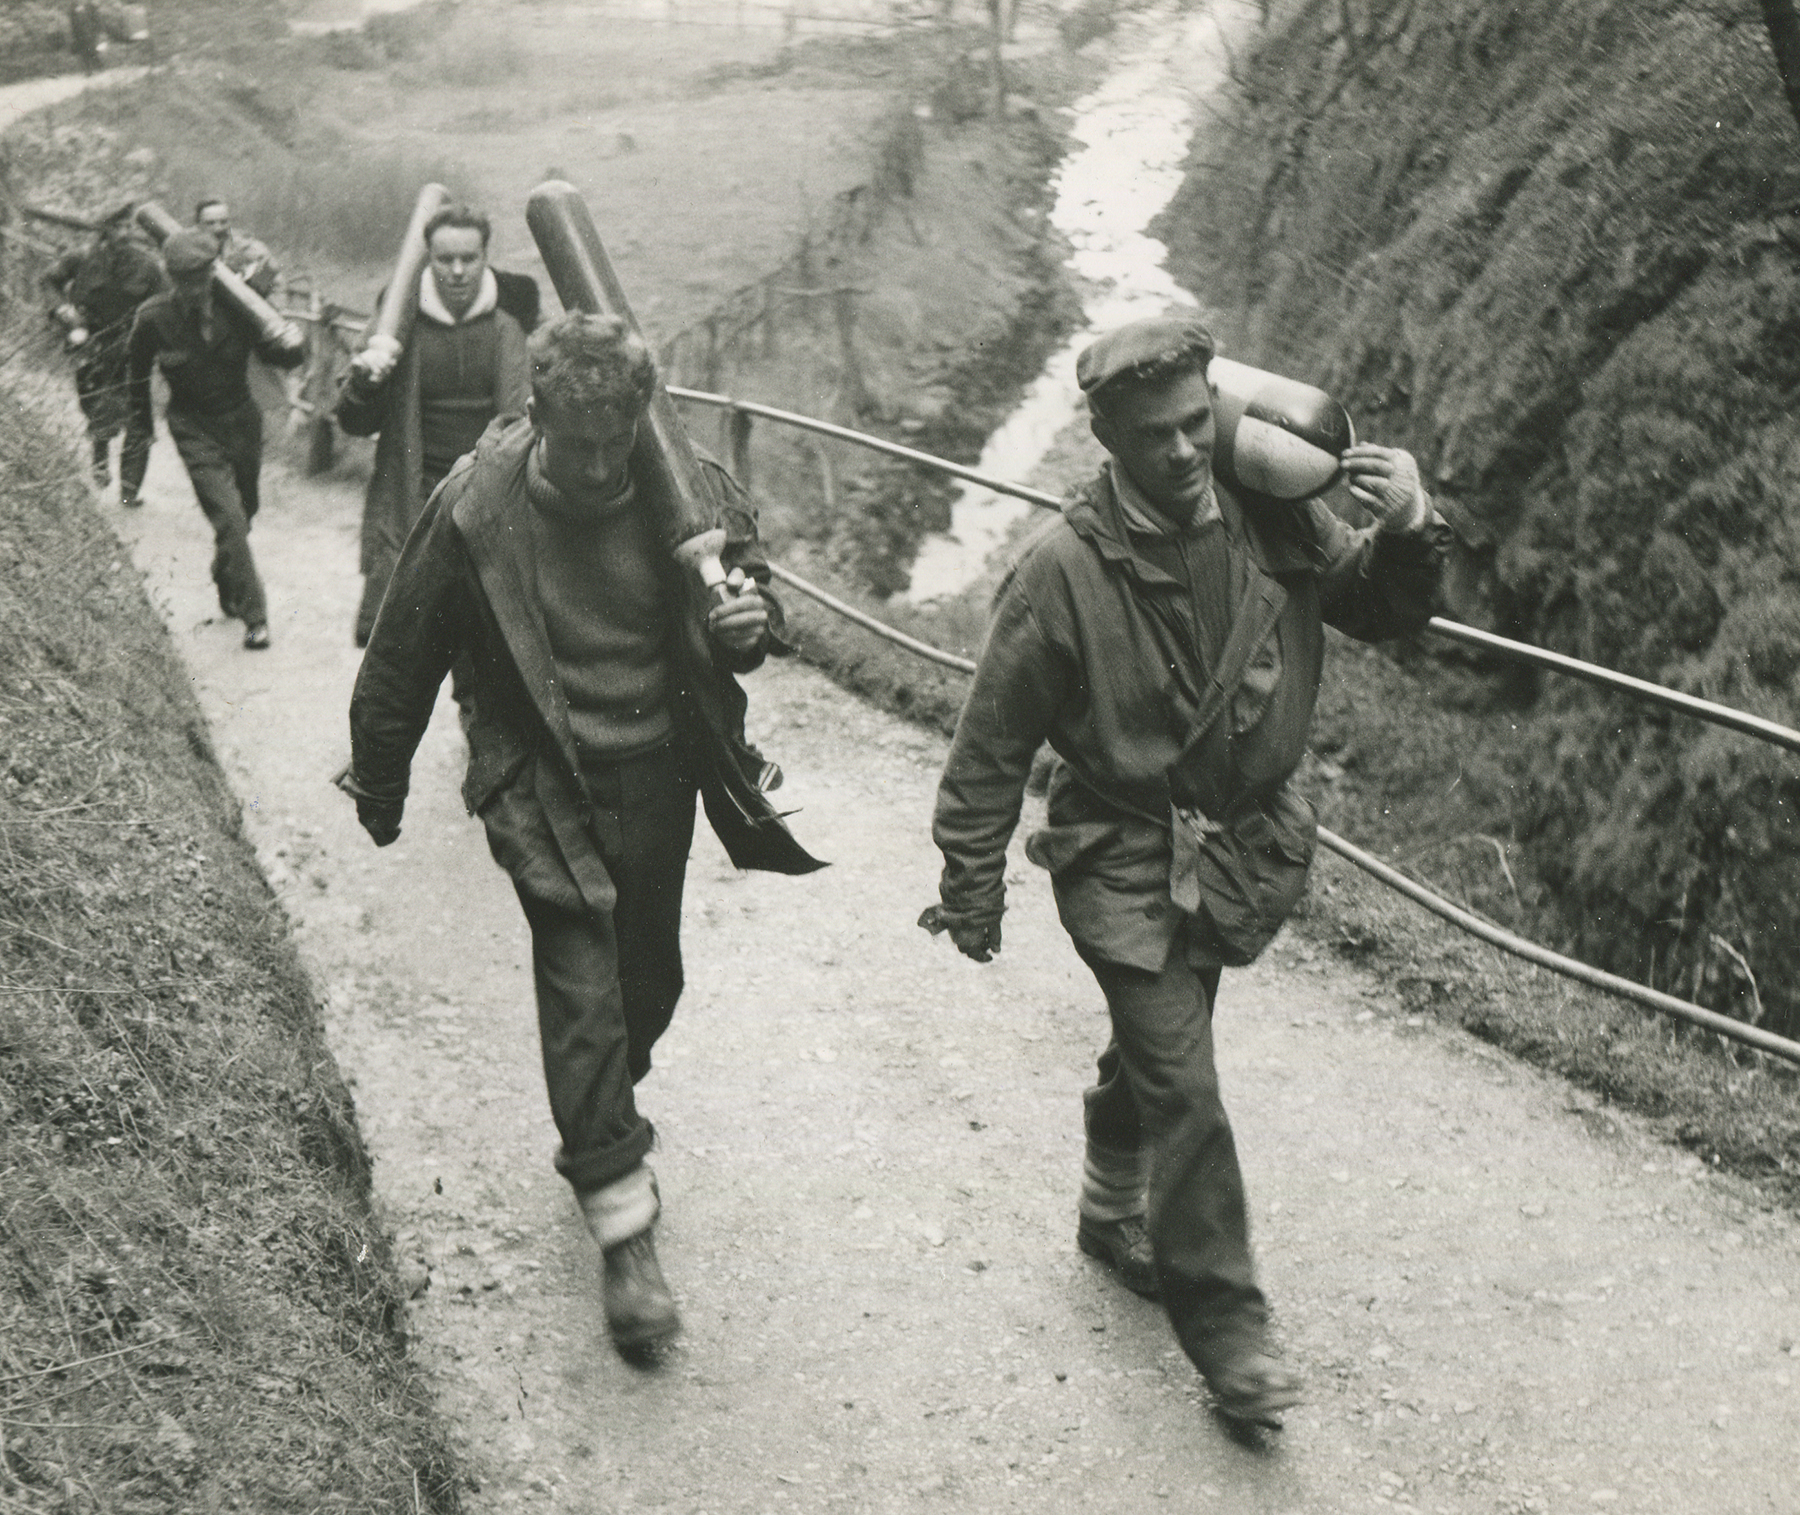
[{"x": 1548, "y": 246}]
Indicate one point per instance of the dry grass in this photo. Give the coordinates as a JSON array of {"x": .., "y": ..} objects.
[{"x": 196, "y": 1307}]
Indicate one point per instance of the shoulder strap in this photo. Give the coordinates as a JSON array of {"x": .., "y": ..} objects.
[{"x": 1257, "y": 613}]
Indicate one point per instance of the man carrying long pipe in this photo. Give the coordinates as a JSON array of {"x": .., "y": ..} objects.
[
  {"x": 445, "y": 354},
  {"x": 604, "y": 699},
  {"x": 201, "y": 334}
]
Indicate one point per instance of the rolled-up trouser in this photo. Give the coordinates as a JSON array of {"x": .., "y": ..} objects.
[
  {"x": 1158, "y": 1088},
  {"x": 223, "y": 456},
  {"x": 607, "y": 982}
]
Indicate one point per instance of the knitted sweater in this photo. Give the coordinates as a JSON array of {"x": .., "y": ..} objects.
[{"x": 606, "y": 616}]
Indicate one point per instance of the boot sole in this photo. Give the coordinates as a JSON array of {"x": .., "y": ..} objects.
[
  {"x": 645, "y": 1333},
  {"x": 1263, "y": 1410},
  {"x": 1101, "y": 1253}
]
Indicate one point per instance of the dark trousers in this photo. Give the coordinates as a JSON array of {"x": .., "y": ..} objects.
[
  {"x": 607, "y": 982},
  {"x": 223, "y": 455},
  {"x": 100, "y": 382},
  {"x": 1158, "y": 1086}
]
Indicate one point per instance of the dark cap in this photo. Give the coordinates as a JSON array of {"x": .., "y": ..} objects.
[
  {"x": 1149, "y": 349},
  {"x": 189, "y": 250}
]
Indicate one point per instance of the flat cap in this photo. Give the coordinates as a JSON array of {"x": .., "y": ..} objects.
[
  {"x": 1144, "y": 349},
  {"x": 188, "y": 251}
]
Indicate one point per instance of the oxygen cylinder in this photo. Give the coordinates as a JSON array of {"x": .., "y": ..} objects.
[
  {"x": 1276, "y": 436},
  {"x": 392, "y": 326},
  {"x": 273, "y": 326},
  {"x": 667, "y": 474}
]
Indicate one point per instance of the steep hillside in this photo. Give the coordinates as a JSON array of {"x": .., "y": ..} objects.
[
  {"x": 198, "y": 1309},
  {"x": 1550, "y": 245}
]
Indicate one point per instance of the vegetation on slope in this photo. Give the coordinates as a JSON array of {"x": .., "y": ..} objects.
[
  {"x": 1548, "y": 244},
  {"x": 197, "y": 1310}
]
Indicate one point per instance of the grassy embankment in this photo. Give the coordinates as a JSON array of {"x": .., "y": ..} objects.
[
  {"x": 197, "y": 1310},
  {"x": 1539, "y": 245}
]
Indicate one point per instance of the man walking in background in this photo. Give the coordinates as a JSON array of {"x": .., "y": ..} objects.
[
  {"x": 1164, "y": 635},
  {"x": 604, "y": 698},
  {"x": 244, "y": 255},
  {"x": 429, "y": 402},
  {"x": 95, "y": 292},
  {"x": 203, "y": 345}
]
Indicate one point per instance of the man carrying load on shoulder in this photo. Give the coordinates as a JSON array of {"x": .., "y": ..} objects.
[
  {"x": 203, "y": 345},
  {"x": 604, "y": 699},
  {"x": 430, "y": 401},
  {"x": 1165, "y": 636}
]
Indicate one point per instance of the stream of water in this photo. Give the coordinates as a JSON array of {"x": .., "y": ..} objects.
[{"x": 1133, "y": 134}]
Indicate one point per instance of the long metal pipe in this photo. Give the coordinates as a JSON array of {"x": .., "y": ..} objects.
[
  {"x": 1656, "y": 694},
  {"x": 1507, "y": 941},
  {"x": 1611, "y": 983},
  {"x": 1524, "y": 652},
  {"x": 863, "y": 439}
]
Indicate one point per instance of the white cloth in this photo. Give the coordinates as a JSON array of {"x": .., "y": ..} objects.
[
  {"x": 623, "y": 1208},
  {"x": 431, "y": 303}
]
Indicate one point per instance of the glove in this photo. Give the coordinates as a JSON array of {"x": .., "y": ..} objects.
[
  {"x": 290, "y": 337},
  {"x": 374, "y": 363},
  {"x": 977, "y": 940},
  {"x": 1385, "y": 480},
  {"x": 378, "y": 816}
]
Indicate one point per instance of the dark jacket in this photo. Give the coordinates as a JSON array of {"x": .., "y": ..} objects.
[
  {"x": 207, "y": 374},
  {"x": 390, "y": 411},
  {"x": 465, "y": 584},
  {"x": 1091, "y": 649},
  {"x": 107, "y": 282}
]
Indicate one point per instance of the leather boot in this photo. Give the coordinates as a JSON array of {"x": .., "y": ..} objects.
[{"x": 640, "y": 1310}]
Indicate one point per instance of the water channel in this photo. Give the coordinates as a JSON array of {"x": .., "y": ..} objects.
[{"x": 1133, "y": 134}]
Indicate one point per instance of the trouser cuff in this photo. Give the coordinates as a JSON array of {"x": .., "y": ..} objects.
[
  {"x": 1114, "y": 1185},
  {"x": 623, "y": 1209}
]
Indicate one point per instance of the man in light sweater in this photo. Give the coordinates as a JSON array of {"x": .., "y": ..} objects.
[{"x": 604, "y": 698}]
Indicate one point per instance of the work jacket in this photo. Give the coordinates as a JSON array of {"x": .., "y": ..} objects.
[
  {"x": 206, "y": 366},
  {"x": 107, "y": 282},
  {"x": 466, "y": 583},
  {"x": 1091, "y": 649},
  {"x": 391, "y": 409}
]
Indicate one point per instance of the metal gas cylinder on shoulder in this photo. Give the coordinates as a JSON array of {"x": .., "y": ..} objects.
[{"x": 1276, "y": 436}]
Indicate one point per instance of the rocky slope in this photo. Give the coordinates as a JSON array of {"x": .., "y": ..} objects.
[{"x": 1550, "y": 245}]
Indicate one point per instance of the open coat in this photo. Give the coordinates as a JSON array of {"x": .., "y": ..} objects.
[
  {"x": 465, "y": 583},
  {"x": 390, "y": 413},
  {"x": 1089, "y": 650}
]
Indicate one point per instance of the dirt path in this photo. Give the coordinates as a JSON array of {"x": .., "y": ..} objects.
[
  {"x": 1502, "y": 1299},
  {"x": 21, "y": 99}
]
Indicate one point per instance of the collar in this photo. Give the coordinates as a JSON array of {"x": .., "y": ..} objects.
[
  {"x": 431, "y": 303},
  {"x": 552, "y": 501},
  {"x": 1142, "y": 519}
]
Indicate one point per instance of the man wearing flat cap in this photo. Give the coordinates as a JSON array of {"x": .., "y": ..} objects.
[
  {"x": 1165, "y": 636},
  {"x": 203, "y": 345}
]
